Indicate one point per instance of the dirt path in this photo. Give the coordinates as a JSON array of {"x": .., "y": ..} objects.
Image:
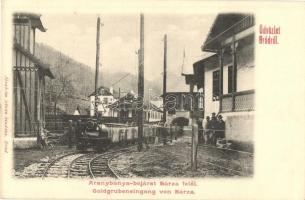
[{"x": 174, "y": 161}]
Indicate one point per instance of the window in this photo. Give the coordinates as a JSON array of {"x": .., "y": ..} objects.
[
  {"x": 105, "y": 100},
  {"x": 230, "y": 79},
  {"x": 216, "y": 85}
]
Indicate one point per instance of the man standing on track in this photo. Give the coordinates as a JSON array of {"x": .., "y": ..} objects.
[
  {"x": 221, "y": 127},
  {"x": 213, "y": 127},
  {"x": 206, "y": 124}
]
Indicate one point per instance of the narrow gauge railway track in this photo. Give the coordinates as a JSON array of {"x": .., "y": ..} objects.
[
  {"x": 59, "y": 167},
  {"x": 99, "y": 166},
  {"x": 79, "y": 167}
]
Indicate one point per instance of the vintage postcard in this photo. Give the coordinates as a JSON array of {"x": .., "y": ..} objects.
[{"x": 152, "y": 100}]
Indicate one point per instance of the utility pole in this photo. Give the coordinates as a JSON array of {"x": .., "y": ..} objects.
[
  {"x": 97, "y": 62},
  {"x": 148, "y": 117},
  {"x": 194, "y": 130},
  {"x": 141, "y": 84},
  {"x": 164, "y": 77}
]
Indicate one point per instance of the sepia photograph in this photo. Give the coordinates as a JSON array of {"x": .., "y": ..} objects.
[
  {"x": 152, "y": 99},
  {"x": 133, "y": 95}
]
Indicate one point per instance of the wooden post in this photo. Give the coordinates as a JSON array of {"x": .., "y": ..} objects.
[
  {"x": 221, "y": 52},
  {"x": 97, "y": 62},
  {"x": 141, "y": 84},
  {"x": 38, "y": 107},
  {"x": 34, "y": 40},
  {"x": 234, "y": 78},
  {"x": 164, "y": 77},
  {"x": 43, "y": 101},
  {"x": 181, "y": 100},
  {"x": 194, "y": 132}
]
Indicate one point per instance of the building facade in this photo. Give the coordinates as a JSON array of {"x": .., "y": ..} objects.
[
  {"x": 106, "y": 98},
  {"x": 181, "y": 104},
  {"x": 124, "y": 108},
  {"x": 153, "y": 113},
  {"x": 226, "y": 75},
  {"x": 29, "y": 75}
]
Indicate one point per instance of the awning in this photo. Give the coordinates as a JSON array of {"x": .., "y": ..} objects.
[{"x": 34, "y": 19}]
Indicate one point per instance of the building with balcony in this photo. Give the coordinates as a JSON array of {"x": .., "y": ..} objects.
[
  {"x": 29, "y": 78},
  {"x": 105, "y": 99},
  {"x": 226, "y": 75}
]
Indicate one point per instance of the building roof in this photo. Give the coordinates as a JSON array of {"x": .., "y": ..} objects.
[
  {"x": 198, "y": 68},
  {"x": 103, "y": 91},
  {"x": 189, "y": 79},
  {"x": 152, "y": 107},
  {"x": 126, "y": 102},
  {"x": 178, "y": 93},
  {"x": 34, "y": 19},
  {"x": 224, "y": 26},
  {"x": 45, "y": 68}
]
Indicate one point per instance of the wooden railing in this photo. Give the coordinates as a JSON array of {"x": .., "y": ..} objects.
[
  {"x": 245, "y": 23},
  {"x": 238, "y": 101}
]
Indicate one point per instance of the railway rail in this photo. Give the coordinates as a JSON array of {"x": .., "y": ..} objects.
[
  {"x": 95, "y": 164},
  {"x": 81, "y": 165}
]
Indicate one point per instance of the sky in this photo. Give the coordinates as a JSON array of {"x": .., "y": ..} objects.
[{"x": 75, "y": 35}]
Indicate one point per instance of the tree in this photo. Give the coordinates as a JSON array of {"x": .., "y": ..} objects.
[{"x": 61, "y": 87}]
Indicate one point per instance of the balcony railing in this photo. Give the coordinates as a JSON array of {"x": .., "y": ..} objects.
[{"x": 238, "y": 101}]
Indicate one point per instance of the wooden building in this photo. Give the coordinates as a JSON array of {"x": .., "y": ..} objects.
[
  {"x": 181, "y": 104},
  {"x": 125, "y": 108},
  {"x": 29, "y": 75},
  {"x": 226, "y": 75}
]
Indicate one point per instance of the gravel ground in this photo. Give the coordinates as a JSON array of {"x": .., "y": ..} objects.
[
  {"x": 27, "y": 161},
  {"x": 173, "y": 160}
]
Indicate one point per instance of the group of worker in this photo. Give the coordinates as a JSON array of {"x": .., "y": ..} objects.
[{"x": 213, "y": 128}]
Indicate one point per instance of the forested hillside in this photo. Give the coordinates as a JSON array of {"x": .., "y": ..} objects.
[{"x": 74, "y": 81}]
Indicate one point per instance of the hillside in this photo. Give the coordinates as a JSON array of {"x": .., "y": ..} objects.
[{"x": 74, "y": 81}]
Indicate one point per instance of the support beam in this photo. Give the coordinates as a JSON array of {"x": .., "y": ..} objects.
[
  {"x": 38, "y": 107},
  {"x": 234, "y": 78},
  {"x": 220, "y": 55},
  {"x": 239, "y": 36},
  {"x": 23, "y": 95},
  {"x": 34, "y": 40}
]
